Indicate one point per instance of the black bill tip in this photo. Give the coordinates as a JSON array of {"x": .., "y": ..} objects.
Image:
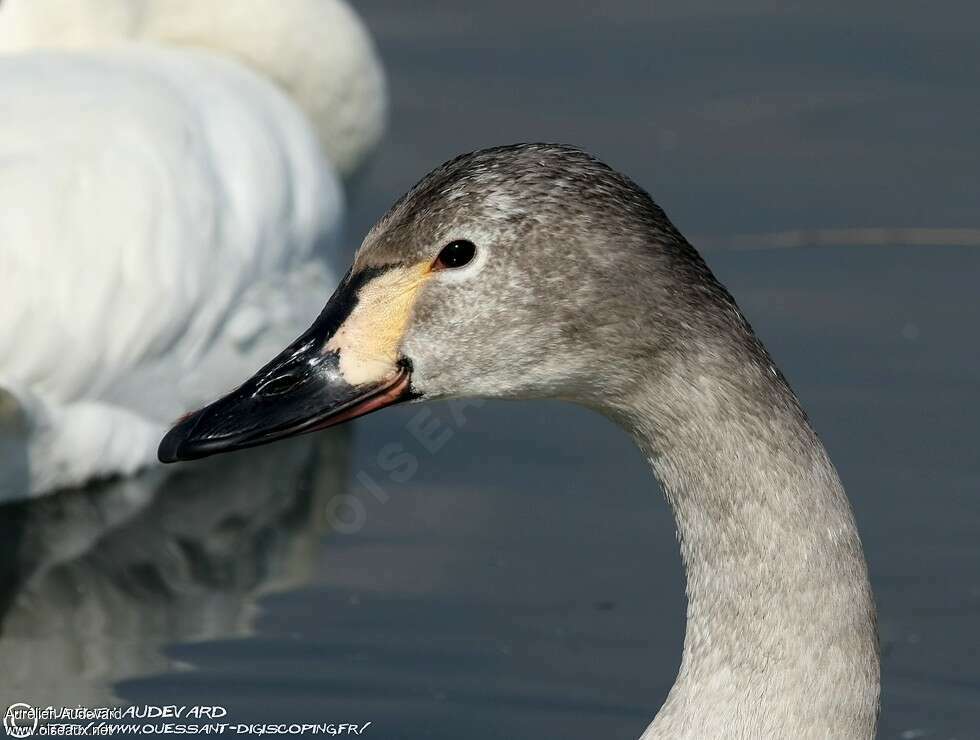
[
  {"x": 169, "y": 450},
  {"x": 180, "y": 443}
]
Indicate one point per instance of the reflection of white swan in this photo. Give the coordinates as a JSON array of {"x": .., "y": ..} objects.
[
  {"x": 96, "y": 582},
  {"x": 167, "y": 204}
]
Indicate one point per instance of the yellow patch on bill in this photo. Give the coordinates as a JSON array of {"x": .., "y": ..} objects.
[{"x": 367, "y": 342}]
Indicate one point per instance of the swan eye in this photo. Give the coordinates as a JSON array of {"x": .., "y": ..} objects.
[{"x": 455, "y": 254}]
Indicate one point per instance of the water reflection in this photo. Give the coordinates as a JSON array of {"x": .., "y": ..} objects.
[{"x": 95, "y": 582}]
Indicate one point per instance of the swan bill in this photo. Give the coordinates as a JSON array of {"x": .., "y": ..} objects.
[{"x": 344, "y": 366}]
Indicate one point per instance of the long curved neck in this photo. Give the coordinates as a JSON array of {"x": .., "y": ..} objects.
[{"x": 781, "y": 638}]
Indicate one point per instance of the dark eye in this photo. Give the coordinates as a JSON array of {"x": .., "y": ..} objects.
[{"x": 455, "y": 254}]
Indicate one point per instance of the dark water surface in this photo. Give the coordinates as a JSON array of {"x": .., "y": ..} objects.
[{"x": 510, "y": 570}]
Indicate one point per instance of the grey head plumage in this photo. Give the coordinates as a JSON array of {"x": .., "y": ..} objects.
[{"x": 580, "y": 264}]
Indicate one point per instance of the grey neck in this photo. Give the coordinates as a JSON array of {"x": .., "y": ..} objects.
[{"x": 781, "y": 638}]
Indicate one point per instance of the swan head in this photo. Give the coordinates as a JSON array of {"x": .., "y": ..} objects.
[
  {"x": 317, "y": 51},
  {"x": 514, "y": 272}
]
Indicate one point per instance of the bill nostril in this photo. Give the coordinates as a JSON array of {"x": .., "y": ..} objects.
[{"x": 280, "y": 384}]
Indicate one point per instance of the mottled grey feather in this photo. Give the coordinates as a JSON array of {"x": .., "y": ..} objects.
[{"x": 584, "y": 290}]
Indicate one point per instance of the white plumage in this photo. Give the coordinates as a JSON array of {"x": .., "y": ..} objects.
[{"x": 165, "y": 216}]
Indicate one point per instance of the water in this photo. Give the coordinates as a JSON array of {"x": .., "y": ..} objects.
[{"x": 516, "y": 573}]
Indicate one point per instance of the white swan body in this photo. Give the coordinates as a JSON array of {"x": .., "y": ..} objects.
[
  {"x": 166, "y": 212},
  {"x": 318, "y": 51}
]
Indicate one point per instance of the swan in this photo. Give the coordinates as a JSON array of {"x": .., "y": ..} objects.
[
  {"x": 535, "y": 271},
  {"x": 171, "y": 173}
]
